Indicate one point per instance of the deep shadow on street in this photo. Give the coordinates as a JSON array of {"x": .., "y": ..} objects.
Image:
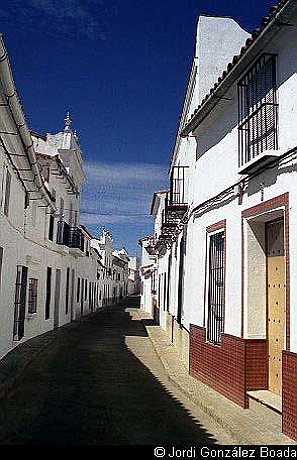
[{"x": 88, "y": 387}]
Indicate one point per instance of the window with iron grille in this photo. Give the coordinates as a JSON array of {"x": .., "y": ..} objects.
[
  {"x": 258, "y": 109},
  {"x": 154, "y": 282},
  {"x": 216, "y": 287},
  {"x": 78, "y": 290},
  {"x": 51, "y": 227},
  {"x": 67, "y": 291},
  {"x": 48, "y": 292},
  {"x": 20, "y": 302},
  {"x": 32, "y": 297}
]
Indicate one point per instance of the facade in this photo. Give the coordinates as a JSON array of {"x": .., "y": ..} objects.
[
  {"x": 228, "y": 239},
  {"x": 133, "y": 276},
  {"x": 115, "y": 268},
  {"x": 49, "y": 272},
  {"x": 148, "y": 276},
  {"x": 120, "y": 260}
]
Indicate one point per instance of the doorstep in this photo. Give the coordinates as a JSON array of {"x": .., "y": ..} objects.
[{"x": 266, "y": 404}]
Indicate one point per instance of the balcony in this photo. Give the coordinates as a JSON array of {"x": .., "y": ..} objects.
[
  {"x": 169, "y": 221},
  {"x": 76, "y": 238},
  {"x": 63, "y": 230},
  {"x": 177, "y": 201},
  {"x": 70, "y": 236}
]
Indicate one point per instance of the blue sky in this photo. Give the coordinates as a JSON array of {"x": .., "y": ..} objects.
[{"x": 121, "y": 68}]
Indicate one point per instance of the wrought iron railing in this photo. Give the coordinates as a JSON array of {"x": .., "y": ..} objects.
[
  {"x": 63, "y": 231},
  {"x": 76, "y": 238},
  {"x": 178, "y": 196},
  {"x": 70, "y": 236}
]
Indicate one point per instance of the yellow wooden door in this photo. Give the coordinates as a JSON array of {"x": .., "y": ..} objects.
[{"x": 276, "y": 301}]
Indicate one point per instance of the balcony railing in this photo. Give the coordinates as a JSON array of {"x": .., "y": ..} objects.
[
  {"x": 63, "y": 230},
  {"x": 76, "y": 238},
  {"x": 70, "y": 236},
  {"x": 178, "y": 196}
]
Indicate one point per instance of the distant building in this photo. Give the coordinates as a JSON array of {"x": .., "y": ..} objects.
[{"x": 133, "y": 276}]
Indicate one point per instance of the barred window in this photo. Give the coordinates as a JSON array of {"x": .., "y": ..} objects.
[
  {"x": 32, "y": 297},
  {"x": 216, "y": 287},
  {"x": 258, "y": 109}
]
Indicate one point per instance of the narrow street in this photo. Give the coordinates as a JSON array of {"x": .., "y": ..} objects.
[{"x": 101, "y": 382}]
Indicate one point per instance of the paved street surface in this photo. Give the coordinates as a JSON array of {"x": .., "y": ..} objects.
[{"x": 98, "y": 382}]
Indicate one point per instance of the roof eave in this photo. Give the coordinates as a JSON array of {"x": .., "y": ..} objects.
[{"x": 239, "y": 68}]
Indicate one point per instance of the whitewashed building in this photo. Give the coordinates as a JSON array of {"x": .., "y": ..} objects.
[
  {"x": 115, "y": 263},
  {"x": 49, "y": 272},
  {"x": 120, "y": 260},
  {"x": 148, "y": 276},
  {"x": 228, "y": 234},
  {"x": 133, "y": 276}
]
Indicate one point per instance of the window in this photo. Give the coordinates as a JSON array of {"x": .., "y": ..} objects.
[
  {"x": 82, "y": 291},
  {"x": 67, "y": 291},
  {"x": 51, "y": 227},
  {"x": 48, "y": 292},
  {"x": 78, "y": 290},
  {"x": 258, "y": 109},
  {"x": 86, "y": 289},
  {"x": 20, "y": 302},
  {"x": 216, "y": 287},
  {"x": 7, "y": 193},
  {"x": 164, "y": 292},
  {"x": 32, "y": 298},
  {"x": 154, "y": 282},
  {"x": 90, "y": 294}
]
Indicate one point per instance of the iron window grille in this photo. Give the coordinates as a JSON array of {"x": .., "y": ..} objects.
[
  {"x": 32, "y": 296},
  {"x": 20, "y": 302},
  {"x": 78, "y": 290},
  {"x": 216, "y": 287},
  {"x": 154, "y": 282},
  {"x": 67, "y": 291},
  {"x": 51, "y": 227},
  {"x": 48, "y": 292},
  {"x": 258, "y": 109}
]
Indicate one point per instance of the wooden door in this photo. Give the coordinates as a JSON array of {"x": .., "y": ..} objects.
[{"x": 276, "y": 302}]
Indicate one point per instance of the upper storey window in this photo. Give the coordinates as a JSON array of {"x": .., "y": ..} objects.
[{"x": 258, "y": 109}]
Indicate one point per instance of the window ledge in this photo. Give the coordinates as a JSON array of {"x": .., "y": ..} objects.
[{"x": 260, "y": 161}]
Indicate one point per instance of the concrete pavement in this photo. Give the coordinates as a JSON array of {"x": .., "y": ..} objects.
[
  {"x": 97, "y": 382},
  {"x": 244, "y": 426},
  {"x": 115, "y": 378}
]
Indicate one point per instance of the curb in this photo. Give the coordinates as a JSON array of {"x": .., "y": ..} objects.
[{"x": 244, "y": 428}]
